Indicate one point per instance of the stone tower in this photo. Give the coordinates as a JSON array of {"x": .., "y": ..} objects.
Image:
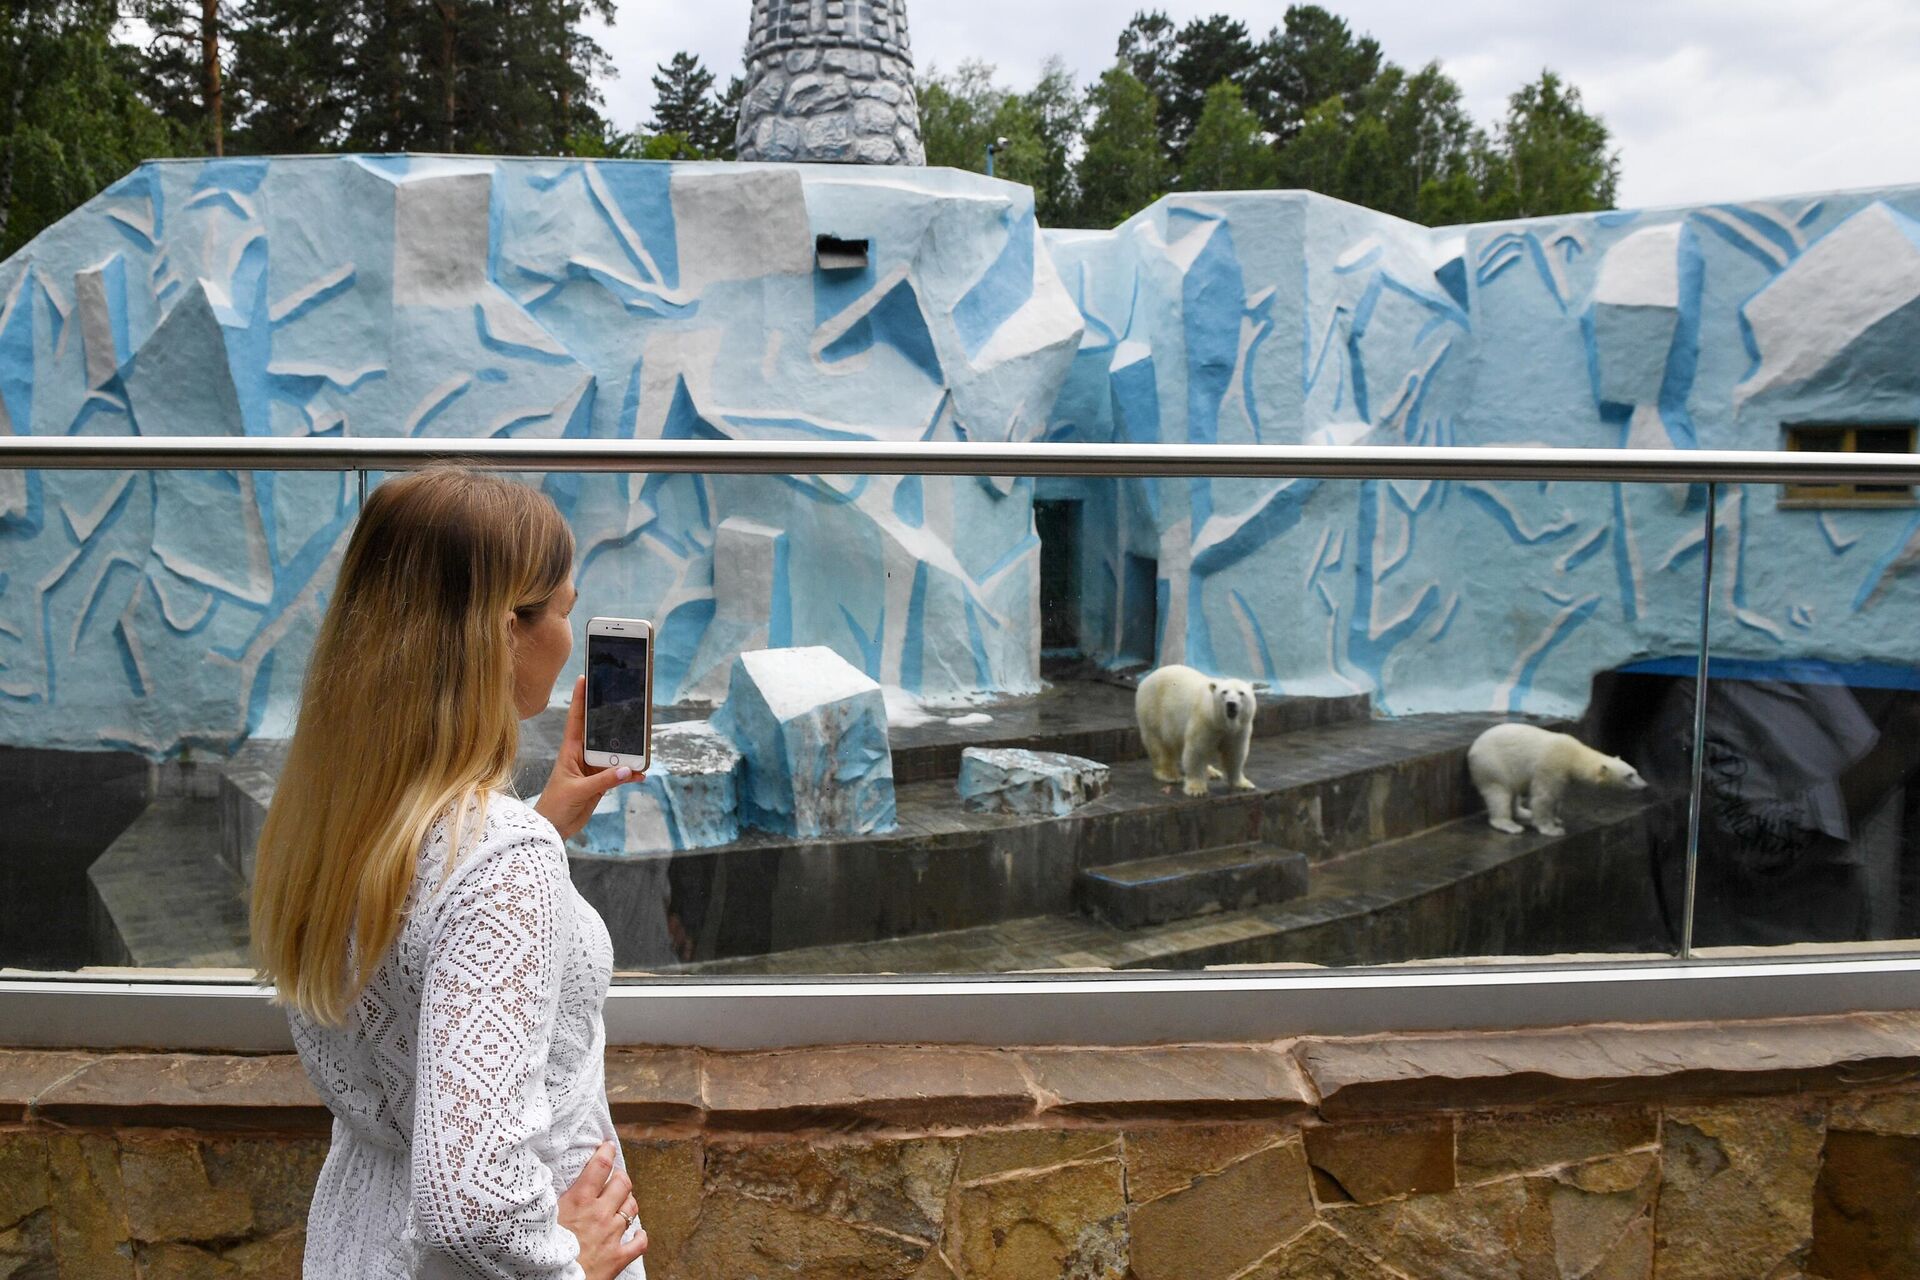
[{"x": 830, "y": 80}]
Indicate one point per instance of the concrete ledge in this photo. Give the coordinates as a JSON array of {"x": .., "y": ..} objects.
[{"x": 933, "y": 1088}]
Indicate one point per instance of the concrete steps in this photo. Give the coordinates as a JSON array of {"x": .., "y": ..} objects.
[
  {"x": 1323, "y": 791},
  {"x": 162, "y": 898},
  {"x": 1179, "y": 886},
  {"x": 1459, "y": 889}
]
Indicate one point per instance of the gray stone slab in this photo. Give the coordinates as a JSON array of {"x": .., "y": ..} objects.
[{"x": 1149, "y": 891}]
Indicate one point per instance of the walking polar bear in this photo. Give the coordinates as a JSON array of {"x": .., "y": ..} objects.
[
  {"x": 1195, "y": 727},
  {"x": 1521, "y": 771}
]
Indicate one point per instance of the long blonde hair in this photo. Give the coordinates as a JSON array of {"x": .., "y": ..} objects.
[{"x": 407, "y": 711}]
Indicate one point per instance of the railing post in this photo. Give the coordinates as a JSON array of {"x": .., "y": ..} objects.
[{"x": 1696, "y": 795}]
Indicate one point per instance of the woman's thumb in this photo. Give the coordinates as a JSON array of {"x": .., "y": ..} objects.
[{"x": 611, "y": 778}]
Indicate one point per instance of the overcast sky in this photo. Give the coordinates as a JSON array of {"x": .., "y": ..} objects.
[{"x": 1707, "y": 99}]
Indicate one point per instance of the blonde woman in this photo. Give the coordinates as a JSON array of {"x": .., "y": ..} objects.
[{"x": 442, "y": 976}]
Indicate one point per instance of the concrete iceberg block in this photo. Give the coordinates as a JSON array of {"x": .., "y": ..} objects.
[
  {"x": 1035, "y": 783},
  {"x": 813, "y": 730},
  {"x": 691, "y": 797}
]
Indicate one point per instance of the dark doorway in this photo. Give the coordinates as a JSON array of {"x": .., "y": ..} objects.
[
  {"x": 1140, "y": 609},
  {"x": 1057, "y": 521}
]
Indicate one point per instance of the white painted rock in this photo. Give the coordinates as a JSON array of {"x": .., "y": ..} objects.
[
  {"x": 813, "y": 730},
  {"x": 1040, "y": 783}
]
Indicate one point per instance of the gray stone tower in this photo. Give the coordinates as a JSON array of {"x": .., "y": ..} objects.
[{"x": 830, "y": 80}]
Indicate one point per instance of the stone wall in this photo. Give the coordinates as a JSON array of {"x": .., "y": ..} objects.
[
  {"x": 830, "y": 82},
  {"x": 1765, "y": 1150}
]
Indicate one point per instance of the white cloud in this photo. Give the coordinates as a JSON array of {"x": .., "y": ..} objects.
[{"x": 1708, "y": 99}]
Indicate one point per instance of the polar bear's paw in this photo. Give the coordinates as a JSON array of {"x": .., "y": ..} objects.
[
  {"x": 1244, "y": 783},
  {"x": 1507, "y": 825},
  {"x": 1195, "y": 787},
  {"x": 1213, "y": 771},
  {"x": 1549, "y": 828},
  {"x": 1165, "y": 775}
]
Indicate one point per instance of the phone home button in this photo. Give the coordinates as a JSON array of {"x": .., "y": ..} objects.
[{"x": 614, "y": 759}]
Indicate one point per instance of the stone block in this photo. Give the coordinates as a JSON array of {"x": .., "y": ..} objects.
[
  {"x": 667, "y": 1177},
  {"x": 817, "y": 92},
  {"x": 1168, "y": 1082},
  {"x": 1737, "y": 1188},
  {"x": 1864, "y": 1224},
  {"x": 1503, "y": 1144},
  {"x": 169, "y": 1196},
  {"x": 828, "y": 137},
  {"x": 25, "y": 1187},
  {"x": 1367, "y": 1163},
  {"x": 1224, "y": 1222},
  {"x": 1042, "y": 783},
  {"x": 865, "y": 1087},
  {"x": 738, "y": 1236},
  {"x": 813, "y": 731},
  {"x": 1065, "y": 1221},
  {"x": 988, "y": 1156},
  {"x": 1132, "y": 895},
  {"x": 1168, "y": 1158},
  {"x": 899, "y": 1186},
  {"x": 691, "y": 796}
]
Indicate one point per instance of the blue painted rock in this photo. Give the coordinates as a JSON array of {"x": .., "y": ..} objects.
[
  {"x": 1041, "y": 783},
  {"x": 813, "y": 729}
]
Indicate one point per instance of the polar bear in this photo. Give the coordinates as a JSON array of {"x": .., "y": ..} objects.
[
  {"x": 1521, "y": 770},
  {"x": 1195, "y": 727}
]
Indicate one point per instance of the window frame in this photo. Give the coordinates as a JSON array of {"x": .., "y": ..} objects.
[{"x": 1843, "y": 496}]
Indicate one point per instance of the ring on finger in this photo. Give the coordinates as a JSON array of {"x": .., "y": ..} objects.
[{"x": 630, "y": 1217}]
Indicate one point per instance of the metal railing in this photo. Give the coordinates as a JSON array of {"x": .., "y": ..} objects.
[
  {"x": 1123, "y": 1007},
  {"x": 860, "y": 457}
]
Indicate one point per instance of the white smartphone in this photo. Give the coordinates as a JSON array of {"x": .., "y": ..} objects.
[{"x": 619, "y": 693}]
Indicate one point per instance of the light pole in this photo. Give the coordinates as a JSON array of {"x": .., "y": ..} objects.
[{"x": 997, "y": 145}]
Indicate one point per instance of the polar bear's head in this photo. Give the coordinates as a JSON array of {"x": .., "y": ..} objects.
[
  {"x": 1612, "y": 771},
  {"x": 1232, "y": 702}
]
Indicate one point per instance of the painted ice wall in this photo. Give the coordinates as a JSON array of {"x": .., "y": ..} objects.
[
  {"x": 1288, "y": 318},
  {"x": 470, "y": 297},
  {"x": 414, "y": 296}
]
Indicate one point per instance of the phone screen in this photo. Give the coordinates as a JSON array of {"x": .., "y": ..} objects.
[{"x": 617, "y": 711}]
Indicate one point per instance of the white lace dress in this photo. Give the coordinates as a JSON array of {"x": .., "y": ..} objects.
[{"x": 468, "y": 1086}]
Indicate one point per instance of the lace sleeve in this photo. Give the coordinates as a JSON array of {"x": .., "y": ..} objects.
[{"x": 484, "y": 1202}]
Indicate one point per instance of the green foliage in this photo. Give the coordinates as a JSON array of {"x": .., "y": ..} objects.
[
  {"x": 1121, "y": 172},
  {"x": 1557, "y": 157},
  {"x": 1314, "y": 56},
  {"x": 1227, "y": 151},
  {"x": 961, "y": 114},
  {"x": 1313, "y": 104},
  {"x": 71, "y": 117},
  {"x": 685, "y": 107}
]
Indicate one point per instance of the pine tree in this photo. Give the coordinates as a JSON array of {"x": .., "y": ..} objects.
[
  {"x": 1120, "y": 173},
  {"x": 684, "y": 104},
  {"x": 182, "y": 74},
  {"x": 297, "y": 66},
  {"x": 1210, "y": 50},
  {"x": 1314, "y": 56}
]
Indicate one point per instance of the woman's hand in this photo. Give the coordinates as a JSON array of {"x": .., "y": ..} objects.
[
  {"x": 572, "y": 790},
  {"x": 597, "y": 1208}
]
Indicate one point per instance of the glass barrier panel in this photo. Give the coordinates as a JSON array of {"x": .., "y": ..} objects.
[
  {"x": 155, "y": 628},
  {"x": 1810, "y": 816},
  {"x": 1018, "y": 725}
]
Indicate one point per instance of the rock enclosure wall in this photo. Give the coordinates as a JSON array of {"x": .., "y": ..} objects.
[
  {"x": 414, "y": 296},
  {"x": 1558, "y": 1155}
]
